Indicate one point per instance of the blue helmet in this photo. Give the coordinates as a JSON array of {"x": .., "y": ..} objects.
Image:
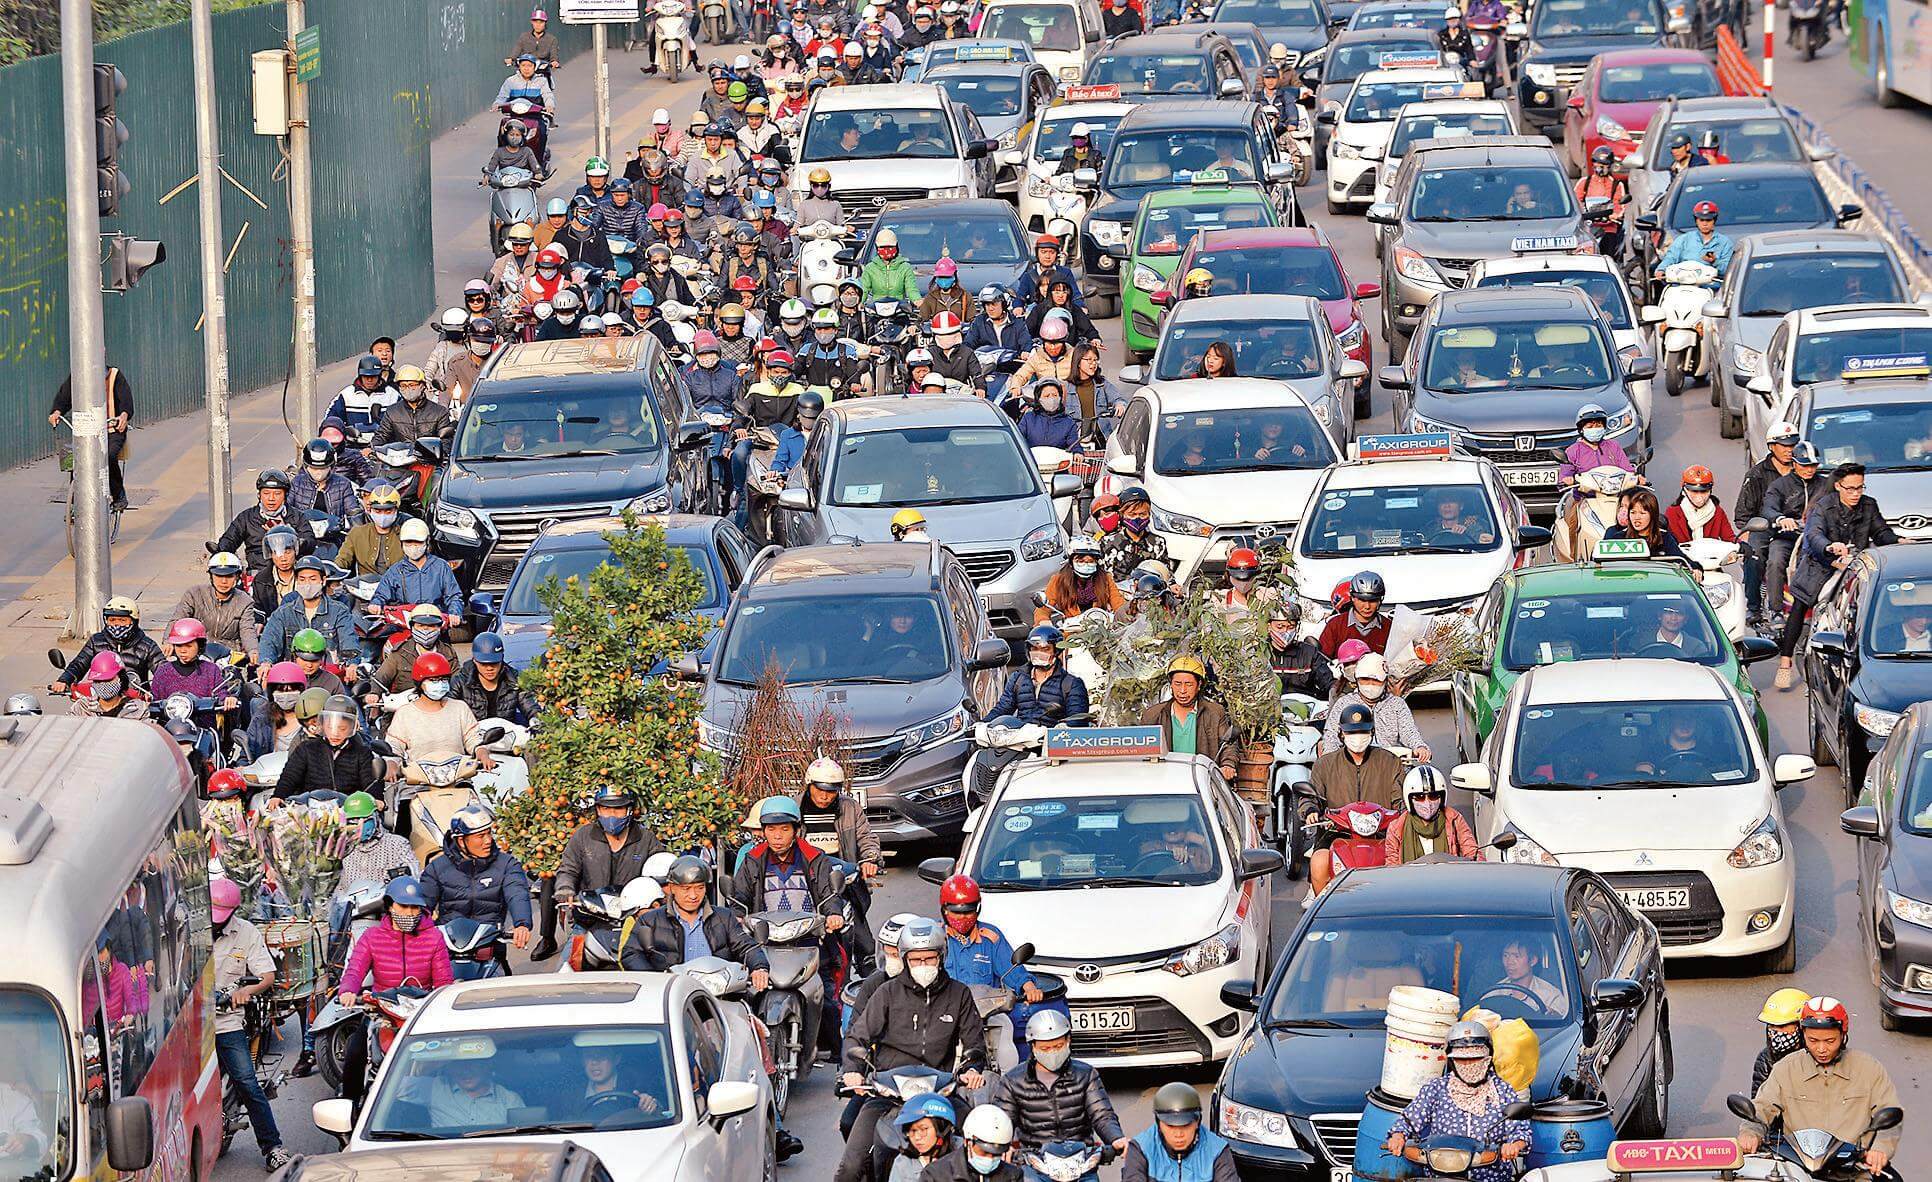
[
  {"x": 778, "y": 810},
  {"x": 487, "y": 649},
  {"x": 1045, "y": 634},
  {"x": 558, "y": 207},
  {"x": 928, "y": 1106},
  {"x": 642, "y": 298},
  {"x": 407, "y": 891}
]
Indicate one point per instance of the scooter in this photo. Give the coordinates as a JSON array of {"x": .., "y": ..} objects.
[
  {"x": 371, "y": 1028},
  {"x": 260, "y": 1028},
  {"x": 409, "y": 467},
  {"x": 793, "y": 1005},
  {"x": 595, "y": 917},
  {"x": 1820, "y": 1153},
  {"x": 1486, "y": 38},
  {"x": 1055, "y": 461},
  {"x": 1589, "y": 510},
  {"x": 895, "y": 1086},
  {"x": 1291, "y": 785},
  {"x": 1006, "y": 1014},
  {"x": 998, "y": 742},
  {"x": 819, "y": 245},
  {"x": 1806, "y": 29},
  {"x": 716, "y": 22},
  {"x": 1066, "y": 209},
  {"x": 513, "y": 201},
  {"x": 475, "y": 949},
  {"x": 536, "y": 127},
  {"x": 1713, "y": 559},
  {"x": 673, "y": 31},
  {"x": 356, "y": 907},
  {"x": 1064, "y": 1161},
  {"x": 1359, "y": 829},
  {"x": 1680, "y": 312},
  {"x": 1079, "y": 659}
]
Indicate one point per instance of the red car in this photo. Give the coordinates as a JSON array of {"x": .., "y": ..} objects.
[
  {"x": 1613, "y": 101},
  {"x": 1285, "y": 260}
]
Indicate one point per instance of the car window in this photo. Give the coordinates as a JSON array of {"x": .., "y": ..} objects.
[
  {"x": 1470, "y": 360},
  {"x": 1258, "y": 439},
  {"x": 1043, "y": 26},
  {"x": 1341, "y": 968},
  {"x": 1821, "y": 356},
  {"x": 1144, "y": 160},
  {"x": 1605, "y": 289},
  {"x": 1651, "y": 82},
  {"x": 1133, "y": 427},
  {"x": 1608, "y": 922},
  {"x": 925, "y": 238},
  {"x": 1489, "y": 194},
  {"x": 1751, "y": 200},
  {"x": 1445, "y": 125},
  {"x": 1400, "y": 519},
  {"x": 963, "y": 602},
  {"x": 1165, "y": 229},
  {"x": 1774, "y": 356},
  {"x": 919, "y": 132},
  {"x": 1056, "y": 133},
  {"x": 1599, "y": 746},
  {"x": 1273, "y": 270},
  {"x": 1588, "y": 948},
  {"x": 825, "y": 638},
  {"x": 1152, "y": 73},
  {"x": 932, "y": 466},
  {"x": 1277, "y": 349},
  {"x": 507, "y": 428},
  {"x": 1740, "y": 141},
  {"x": 1898, "y": 618},
  {"x": 989, "y": 95},
  {"x": 703, "y": 1044},
  {"x": 1594, "y": 18},
  {"x": 1086, "y": 840},
  {"x": 524, "y": 596},
  {"x": 1786, "y": 283}
]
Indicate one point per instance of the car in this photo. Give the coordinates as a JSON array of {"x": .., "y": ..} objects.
[
  {"x": 1214, "y": 199},
  {"x": 1863, "y": 665},
  {"x": 1464, "y": 113},
  {"x": 452, "y": 1162},
  {"x": 1191, "y": 445},
  {"x": 1300, "y": 26},
  {"x": 1062, "y": 33},
  {"x": 1505, "y": 406},
  {"x": 562, "y": 430},
  {"x": 1045, "y": 143},
  {"x": 1290, "y": 260},
  {"x": 1751, "y": 129},
  {"x": 1197, "y": 65},
  {"x": 1291, "y": 1103},
  {"x": 697, "y": 1057},
  {"x": 958, "y": 459},
  {"x": 1561, "y": 37},
  {"x": 1332, "y": 71},
  {"x": 1071, "y": 855},
  {"x": 1771, "y": 276},
  {"x": 1004, "y": 95},
  {"x": 1249, "y": 43},
  {"x": 1892, "y": 821},
  {"x": 1367, "y": 119},
  {"x": 1398, "y": 14},
  {"x": 1620, "y": 90},
  {"x": 1459, "y": 200},
  {"x": 981, "y": 235},
  {"x": 1161, "y": 144},
  {"x": 1807, "y": 360},
  {"x": 889, "y": 143},
  {"x": 1751, "y": 199},
  {"x": 1582, "y": 611},
  {"x": 984, "y": 49},
  {"x": 718, "y": 551},
  {"x": 894, "y": 634},
  {"x": 1649, "y": 771}
]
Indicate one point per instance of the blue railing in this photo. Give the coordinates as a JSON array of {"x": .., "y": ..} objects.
[{"x": 1879, "y": 210}]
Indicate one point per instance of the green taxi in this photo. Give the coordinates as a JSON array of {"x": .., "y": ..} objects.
[
  {"x": 1606, "y": 607},
  {"x": 1165, "y": 223}
]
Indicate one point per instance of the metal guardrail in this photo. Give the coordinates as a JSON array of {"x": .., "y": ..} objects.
[{"x": 1880, "y": 214}]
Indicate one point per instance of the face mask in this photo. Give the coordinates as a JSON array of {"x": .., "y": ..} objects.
[
  {"x": 286, "y": 699},
  {"x": 1040, "y": 660},
  {"x": 1370, "y": 691},
  {"x": 923, "y": 975},
  {"x": 1471, "y": 1071},
  {"x": 1050, "y": 406},
  {"x": 119, "y": 631},
  {"x": 943, "y": 282},
  {"x": 415, "y": 550},
  {"x": 425, "y": 637},
  {"x": 614, "y": 825},
  {"x": 893, "y": 965},
  {"x": 1781, "y": 1043},
  {"x": 221, "y": 925},
  {"x": 480, "y": 348},
  {"x": 1426, "y": 808},
  {"x": 963, "y": 924},
  {"x": 109, "y": 688},
  {"x": 369, "y": 829},
  {"x": 1086, "y": 568},
  {"x": 384, "y": 518},
  {"x": 405, "y": 926},
  {"x": 1136, "y": 525},
  {"x": 981, "y": 1164},
  {"x": 309, "y": 592},
  {"x": 1593, "y": 434},
  {"x": 1055, "y": 1059},
  {"x": 436, "y": 690},
  {"x": 1357, "y": 743}
]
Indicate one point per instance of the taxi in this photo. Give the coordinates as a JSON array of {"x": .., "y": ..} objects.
[
  {"x": 1366, "y": 120},
  {"x": 1698, "y": 1159},
  {"x": 1046, "y": 139},
  {"x": 1167, "y": 221},
  {"x": 1843, "y": 342},
  {"x": 1448, "y": 110},
  {"x": 1083, "y": 841}
]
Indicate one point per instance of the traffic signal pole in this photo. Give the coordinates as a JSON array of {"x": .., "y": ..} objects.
[
  {"x": 86, "y": 342},
  {"x": 301, "y": 232},
  {"x": 214, "y": 285}
]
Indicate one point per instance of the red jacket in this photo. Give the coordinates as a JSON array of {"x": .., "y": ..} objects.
[
  {"x": 1719, "y": 526},
  {"x": 1341, "y": 627},
  {"x": 389, "y": 958},
  {"x": 1461, "y": 839}
]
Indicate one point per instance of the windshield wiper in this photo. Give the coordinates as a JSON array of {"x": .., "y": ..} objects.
[
  {"x": 1904, "y": 656},
  {"x": 575, "y": 1126},
  {"x": 1762, "y": 312},
  {"x": 585, "y": 451},
  {"x": 1645, "y": 784},
  {"x": 496, "y": 459},
  {"x": 1133, "y": 881},
  {"x": 402, "y": 1135},
  {"x": 1434, "y": 218},
  {"x": 880, "y": 680},
  {"x": 1304, "y": 1024},
  {"x": 1468, "y": 549}
]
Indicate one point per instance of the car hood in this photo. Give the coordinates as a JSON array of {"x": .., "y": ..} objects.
[
  {"x": 1901, "y": 493},
  {"x": 1753, "y": 332},
  {"x": 1116, "y": 208},
  {"x": 1892, "y": 683},
  {"x": 1581, "y": 49},
  {"x": 1098, "y": 923},
  {"x": 1540, "y": 411},
  {"x": 1001, "y": 523},
  {"x": 1635, "y": 116},
  {"x": 1572, "y": 821},
  {"x": 532, "y": 484},
  {"x": 1235, "y": 498},
  {"x": 867, "y": 711},
  {"x": 860, "y": 175},
  {"x": 1911, "y": 864},
  {"x": 1480, "y": 240},
  {"x": 1298, "y": 38},
  {"x": 1429, "y": 578}
]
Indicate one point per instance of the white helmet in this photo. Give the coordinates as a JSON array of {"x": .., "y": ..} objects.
[
  {"x": 659, "y": 864},
  {"x": 1080, "y": 129},
  {"x": 661, "y": 115},
  {"x": 889, "y": 933},
  {"x": 1278, "y": 53},
  {"x": 885, "y": 238},
  {"x": 639, "y": 893},
  {"x": 1047, "y": 1025},
  {"x": 989, "y": 1125},
  {"x": 1452, "y": 13},
  {"x": 1423, "y": 780},
  {"x": 454, "y": 320},
  {"x": 1372, "y": 668},
  {"x": 825, "y": 770}
]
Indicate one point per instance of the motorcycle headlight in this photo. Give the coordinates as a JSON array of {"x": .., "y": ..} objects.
[
  {"x": 1146, "y": 278},
  {"x": 1351, "y": 336},
  {"x": 1909, "y": 909},
  {"x": 1875, "y": 721},
  {"x": 179, "y": 707},
  {"x": 654, "y": 502},
  {"x": 1413, "y": 266},
  {"x": 1746, "y": 361},
  {"x": 1043, "y": 542},
  {"x": 1342, "y": 150},
  {"x": 1719, "y": 593},
  {"x": 1107, "y": 233},
  {"x": 1219, "y": 949},
  {"x": 1256, "y": 1126},
  {"x": 1761, "y": 847},
  {"x": 1526, "y": 850},
  {"x": 1038, "y": 186},
  {"x": 938, "y": 730},
  {"x": 1610, "y": 129},
  {"x": 1540, "y": 73},
  {"x": 454, "y": 519},
  {"x": 1180, "y": 523},
  {"x": 1069, "y": 73}
]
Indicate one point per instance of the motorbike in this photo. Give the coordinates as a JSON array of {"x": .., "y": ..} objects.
[
  {"x": 596, "y": 917},
  {"x": 1295, "y": 804},
  {"x": 1806, "y": 29},
  {"x": 1066, "y": 209},
  {"x": 1359, "y": 829},
  {"x": 513, "y": 200},
  {"x": 476, "y": 949},
  {"x": 429, "y": 794},
  {"x": 673, "y": 31},
  {"x": 1079, "y": 658},
  {"x": 1294, "y": 131},
  {"x": 409, "y": 467},
  {"x": 1064, "y": 1161},
  {"x": 819, "y": 245},
  {"x": 1818, "y": 1152},
  {"x": 368, "y": 1028},
  {"x": 1589, "y": 510},
  {"x": 1448, "y": 1155},
  {"x": 1006, "y": 1015},
  {"x": 896, "y": 1086},
  {"x": 623, "y": 259},
  {"x": 792, "y": 1007},
  {"x": 1056, "y": 461},
  {"x": 356, "y": 907},
  {"x": 536, "y": 129},
  {"x": 716, "y": 22},
  {"x": 1679, "y": 311},
  {"x": 1486, "y": 38},
  {"x": 1714, "y": 560}
]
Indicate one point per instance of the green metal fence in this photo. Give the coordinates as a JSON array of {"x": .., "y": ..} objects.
[{"x": 394, "y": 76}]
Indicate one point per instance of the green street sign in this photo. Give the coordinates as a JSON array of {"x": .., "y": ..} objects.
[{"x": 308, "y": 54}]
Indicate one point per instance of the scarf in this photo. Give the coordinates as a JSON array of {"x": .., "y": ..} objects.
[
  {"x": 1477, "y": 1098},
  {"x": 1697, "y": 518},
  {"x": 1086, "y": 591},
  {"x": 1415, "y": 829}
]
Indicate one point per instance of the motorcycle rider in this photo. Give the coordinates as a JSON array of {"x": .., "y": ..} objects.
[
  {"x": 1120, "y": 19},
  {"x": 222, "y": 608},
  {"x": 525, "y": 83},
  {"x": 505, "y": 277},
  {"x": 761, "y": 137},
  {"x": 539, "y": 43},
  {"x": 985, "y": 1144},
  {"x": 240, "y": 952},
  {"x": 1135, "y": 541},
  {"x": 820, "y": 205},
  {"x": 432, "y": 725},
  {"x": 621, "y": 216},
  {"x": 416, "y": 415},
  {"x": 945, "y": 294},
  {"x": 783, "y": 873},
  {"x": 397, "y": 671},
  {"x": 464, "y": 370},
  {"x": 1683, "y": 155},
  {"x": 1697, "y": 512},
  {"x": 1452, "y": 37},
  {"x": 188, "y": 672},
  {"x": 109, "y": 690},
  {"x": 565, "y": 313},
  {"x": 1787, "y": 504},
  {"x": 1047, "y": 423},
  {"x": 1829, "y": 1087},
  {"x": 1358, "y": 768},
  {"x": 1364, "y": 620},
  {"x": 1780, "y": 439},
  {"x": 952, "y": 359},
  {"x": 121, "y": 635},
  {"x": 1603, "y": 180},
  {"x": 308, "y": 605},
  {"x": 767, "y": 403},
  {"x": 1395, "y": 724},
  {"x": 995, "y": 327},
  {"x": 404, "y": 949},
  {"x": 339, "y": 759},
  {"x": 1298, "y": 662},
  {"x": 477, "y": 878},
  {"x": 854, "y": 320},
  {"x": 1782, "y": 1034},
  {"x": 1079, "y": 152},
  {"x": 450, "y": 328},
  {"x": 926, "y": 1126},
  {"x": 361, "y": 403},
  {"x": 829, "y": 362},
  {"x": 979, "y": 954},
  {"x": 1178, "y": 1146},
  {"x": 488, "y": 683},
  {"x": 1081, "y": 585},
  {"x": 714, "y": 387},
  {"x": 1706, "y": 245},
  {"x": 317, "y": 485},
  {"x": 1053, "y": 1096},
  {"x": 583, "y": 235},
  {"x": 376, "y": 544},
  {"x": 1471, "y": 1096},
  {"x": 309, "y": 649},
  {"x": 834, "y": 821},
  {"x": 247, "y": 532},
  {"x": 887, "y": 276},
  {"x": 1190, "y": 723},
  {"x": 657, "y": 182},
  {"x": 511, "y": 151},
  {"x": 1429, "y": 825},
  {"x": 1593, "y": 447},
  {"x": 1843, "y": 524},
  {"x": 421, "y": 577},
  {"x": 909, "y": 525},
  {"x": 1043, "y": 692},
  {"x": 1039, "y": 274}
]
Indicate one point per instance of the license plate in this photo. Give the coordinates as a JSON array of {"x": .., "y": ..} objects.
[
  {"x": 1658, "y": 898},
  {"x": 1103, "y": 1021},
  {"x": 1339, "y": 1174},
  {"x": 1525, "y": 477}
]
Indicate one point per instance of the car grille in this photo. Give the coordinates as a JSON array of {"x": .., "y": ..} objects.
[
  {"x": 983, "y": 566},
  {"x": 871, "y": 760},
  {"x": 1336, "y": 1130},
  {"x": 1571, "y": 75},
  {"x": 1364, "y": 184},
  {"x": 1497, "y": 447},
  {"x": 1159, "y": 1029},
  {"x": 515, "y": 532},
  {"x": 1455, "y": 271},
  {"x": 1705, "y": 919},
  {"x": 864, "y": 206}
]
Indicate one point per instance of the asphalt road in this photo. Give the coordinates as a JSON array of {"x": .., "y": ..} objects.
[{"x": 1712, "y": 1004}]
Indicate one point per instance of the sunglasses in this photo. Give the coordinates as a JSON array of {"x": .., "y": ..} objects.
[{"x": 1427, "y": 795}]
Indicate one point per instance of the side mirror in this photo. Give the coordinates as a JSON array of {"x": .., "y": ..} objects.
[
  {"x": 1238, "y": 995},
  {"x": 1885, "y": 1118},
  {"x": 130, "y": 1134},
  {"x": 1260, "y": 863},
  {"x": 1132, "y": 375},
  {"x": 1575, "y": 104},
  {"x": 1713, "y": 308},
  {"x": 1678, "y": 25},
  {"x": 1124, "y": 464},
  {"x": 1741, "y": 1107},
  {"x": 1382, "y": 213},
  {"x": 1760, "y": 384},
  {"x": 1116, "y": 250},
  {"x": 55, "y": 659},
  {"x": 1616, "y": 993},
  {"x": 482, "y": 606},
  {"x": 1849, "y": 213},
  {"x": 1023, "y": 953},
  {"x": 993, "y": 654},
  {"x": 1597, "y": 208},
  {"x": 334, "y": 1116},
  {"x": 1161, "y": 297},
  {"x": 1279, "y": 172},
  {"x": 1640, "y": 369},
  {"x": 1233, "y": 88},
  {"x": 1374, "y": 152},
  {"x": 1529, "y": 537},
  {"x": 1064, "y": 485},
  {"x": 1861, "y": 821},
  {"x": 1326, "y": 117},
  {"x": 1352, "y": 370},
  {"x": 1012, "y": 158},
  {"x": 1792, "y": 769},
  {"x": 688, "y": 668},
  {"x": 728, "y": 1098},
  {"x": 1818, "y": 154},
  {"x": 1394, "y": 377},
  {"x": 1516, "y": 30},
  {"x": 1645, "y": 221},
  {"x": 937, "y": 870},
  {"x": 1472, "y": 777},
  {"x": 693, "y": 435},
  {"x": 1753, "y": 649},
  {"x": 1828, "y": 643},
  {"x": 847, "y": 256},
  {"x": 796, "y": 500},
  {"x": 1086, "y": 178},
  {"x": 980, "y": 149},
  {"x": 1368, "y": 291},
  {"x": 1652, "y": 314}
]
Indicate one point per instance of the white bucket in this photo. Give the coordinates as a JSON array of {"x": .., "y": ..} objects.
[{"x": 1418, "y": 1023}]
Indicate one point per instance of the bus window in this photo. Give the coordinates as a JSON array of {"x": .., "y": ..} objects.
[{"x": 35, "y": 1140}]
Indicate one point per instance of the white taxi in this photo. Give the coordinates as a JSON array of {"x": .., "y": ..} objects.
[
  {"x": 1825, "y": 345},
  {"x": 1080, "y": 845},
  {"x": 1650, "y": 772},
  {"x": 1046, "y": 141},
  {"x": 1366, "y": 120}
]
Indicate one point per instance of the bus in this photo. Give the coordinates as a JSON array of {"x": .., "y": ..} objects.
[
  {"x": 107, "y": 1037},
  {"x": 1891, "y": 41}
]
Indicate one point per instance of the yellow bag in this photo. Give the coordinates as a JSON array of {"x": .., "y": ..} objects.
[{"x": 1516, "y": 1053}]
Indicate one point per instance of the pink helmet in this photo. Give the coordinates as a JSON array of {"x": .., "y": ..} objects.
[
  {"x": 945, "y": 266},
  {"x": 656, "y": 213},
  {"x": 1351, "y": 651},
  {"x": 1053, "y": 329},
  {"x": 704, "y": 341},
  {"x": 186, "y": 630},
  {"x": 286, "y": 673},
  {"x": 105, "y": 666},
  {"x": 224, "y": 898}
]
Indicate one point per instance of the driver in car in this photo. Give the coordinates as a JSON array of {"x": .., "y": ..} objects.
[
  {"x": 600, "y": 1080},
  {"x": 1176, "y": 839},
  {"x": 1912, "y": 633},
  {"x": 1681, "y": 740},
  {"x": 511, "y": 442},
  {"x": 922, "y": 141},
  {"x": 1469, "y": 374},
  {"x": 1450, "y": 519},
  {"x": 1523, "y": 203},
  {"x": 465, "y": 1096},
  {"x": 1520, "y": 962},
  {"x": 1277, "y": 445},
  {"x": 1671, "y": 618}
]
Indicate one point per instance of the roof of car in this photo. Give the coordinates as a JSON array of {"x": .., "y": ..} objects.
[
  {"x": 862, "y": 415},
  {"x": 1623, "y": 679},
  {"x": 894, "y": 97},
  {"x": 1249, "y": 307},
  {"x": 1126, "y": 776},
  {"x": 1727, "y": 104},
  {"x": 1233, "y": 191},
  {"x": 569, "y": 357},
  {"x": 1483, "y": 304},
  {"x": 1450, "y": 888},
  {"x": 1187, "y": 113},
  {"x": 875, "y": 566},
  {"x": 1555, "y": 264},
  {"x": 1595, "y": 578},
  {"x": 1456, "y": 469},
  {"x": 1204, "y": 394},
  {"x": 1780, "y": 242},
  {"x": 1478, "y": 151},
  {"x": 1907, "y": 559},
  {"x": 1757, "y": 168},
  {"x": 1882, "y": 391},
  {"x": 1259, "y": 236},
  {"x": 1161, "y": 41},
  {"x": 1455, "y": 106},
  {"x": 1647, "y": 54},
  {"x": 444, "y": 1161},
  {"x": 929, "y": 208},
  {"x": 962, "y": 69},
  {"x": 1831, "y": 316},
  {"x": 1387, "y": 33},
  {"x": 550, "y": 1000},
  {"x": 676, "y": 527},
  {"x": 1419, "y": 74}
]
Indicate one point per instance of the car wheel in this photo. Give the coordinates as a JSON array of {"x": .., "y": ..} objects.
[
  {"x": 1363, "y": 406},
  {"x": 1888, "y": 1019},
  {"x": 1730, "y": 425},
  {"x": 1784, "y": 958},
  {"x": 1653, "y": 1109},
  {"x": 1882, "y": 91},
  {"x": 1820, "y": 749},
  {"x": 770, "y": 1172}
]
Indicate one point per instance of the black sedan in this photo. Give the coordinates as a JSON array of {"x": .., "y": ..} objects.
[
  {"x": 1552, "y": 945},
  {"x": 1870, "y": 656},
  {"x": 981, "y": 235},
  {"x": 1893, "y": 822}
]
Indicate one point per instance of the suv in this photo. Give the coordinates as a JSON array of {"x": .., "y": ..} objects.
[
  {"x": 1750, "y": 130},
  {"x": 1563, "y": 35},
  {"x": 560, "y": 431},
  {"x": 955, "y": 458},
  {"x": 893, "y": 636},
  {"x": 892, "y": 143},
  {"x": 1504, "y": 373},
  {"x": 1184, "y": 65}
]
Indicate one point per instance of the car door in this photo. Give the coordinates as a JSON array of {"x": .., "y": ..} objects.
[
  {"x": 1578, "y": 115},
  {"x": 1888, "y": 773},
  {"x": 1599, "y": 941},
  {"x": 807, "y": 528},
  {"x": 1842, "y": 600},
  {"x": 1631, "y": 1033},
  {"x": 706, "y": 1152},
  {"x": 1469, "y": 689}
]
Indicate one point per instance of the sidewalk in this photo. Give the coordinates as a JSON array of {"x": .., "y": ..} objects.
[{"x": 159, "y": 552}]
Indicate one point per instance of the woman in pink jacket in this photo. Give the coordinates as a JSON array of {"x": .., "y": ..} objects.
[
  {"x": 404, "y": 949},
  {"x": 1428, "y": 825}
]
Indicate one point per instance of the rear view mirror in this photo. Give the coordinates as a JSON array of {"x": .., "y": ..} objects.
[
  {"x": 1861, "y": 821},
  {"x": 1616, "y": 993},
  {"x": 937, "y": 870},
  {"x": 1741, "y": 1107},
  {"x": 991, "y": 654},
  {"x": 1849, "y": 212},
  {"x": 1022, "y": 954},
  {"x": 1529, "y": 537},
  {"x": 1640, "y": 369},
  {"x": 1233, "y": 88},
  {"x": 130, "y": 1134}
]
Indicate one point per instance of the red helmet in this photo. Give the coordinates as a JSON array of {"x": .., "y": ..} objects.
[
  {"x": 429, "y": 665},
  {"x": 959, "y": 893},
  {"x": 1698, "y": 475},
  {"x": 1340, "y": 596},
  {"x": 1825, "y": 1013},
  {"x": 1705, "y": 209},
  {"x": 1243, "y": 561},
  {"x": 226, "y": 784},
  {"x": 945, "y": 323},
  {"x": 186, "y": 630}
]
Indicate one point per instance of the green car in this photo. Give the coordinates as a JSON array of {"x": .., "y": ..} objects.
[
  {"x": 1165, "y": 223},
  {"x": 1580, "y": 611}
]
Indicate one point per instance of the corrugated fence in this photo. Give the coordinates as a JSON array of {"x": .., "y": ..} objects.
[{"x": 395, "y": 74}]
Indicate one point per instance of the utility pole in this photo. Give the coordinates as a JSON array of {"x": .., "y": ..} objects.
[
  {"x": 214, "y": 284},
  {"x": 600, "y": 44},
  {"x": 301, "y": 229},
  {"x": 86, "y": 342}
]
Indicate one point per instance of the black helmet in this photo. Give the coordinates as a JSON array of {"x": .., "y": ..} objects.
[
  {"x": 318, "y": 453},
  {"x": 1177, "y": 1104},
  {"x": 482, "y": 329},
  {"x": 272, "y": 478},
  {"x": 743, "y": 236},
  {"x": 1367, "y": 585},
  {"x": 687, "y": 869},
  {"x": 1148, "y": 585},
  {"x": 1603, "y": 155},
  {"x": 1134, "y": 494},
  {"x": 1356, "y": 719},
  {"x": 811, "y": 402}
]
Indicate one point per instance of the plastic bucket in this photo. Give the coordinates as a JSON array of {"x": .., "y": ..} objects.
[
  {"x": 1569, "y": 1130},
  {"x": 1418, "y": 1023},
  {"x": 1372, "y": 1162}
]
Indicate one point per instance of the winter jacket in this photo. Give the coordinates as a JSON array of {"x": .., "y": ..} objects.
[
  {"x": 332, "y": 619},
  {"x": 1458, "y": 839},
  {"x": 623, "y": 221},
  {"x": 1147, "y": 1159},
  {"x": 483, "y": 889},
  {"x": 335, "y": 496},
  {"x": 589, "y": 864},
  {"x": 369, "y": 551},
  {"x": 587, "y": 245},
  {"x": 903, "y": 1024},
  {"x": 1860, "y": 527},
  {"x": 137, "y": 651},
  {"x": 955, "y": 1168},
  {"x": 244, "y": 536},
  {"x": 271, "y": 588},
  {"x": 1082, "y": 328},
  {"x": 1060, "y": 430},
  {"x": 983, "y": 958},
  {"x": 889, "y": 281},
  {"x": 360, "y": 409},
  {"x": 1059, "y": 697},
  {"x": 1073, "y": 1107},
  {"x": 1791, "y": 495},
  {"x": 316, "y": 765},
  {"x": 763, "y": 404},
  {"x": 747, "y": 887},
  {"x": 1678, "y": 523},
  {"x": 857, "y": 842},
  {"x": 202, "y": 680},
  {"x": 1213, "y": 733},
  {"x": 433, "y": 582},
  {"x": 1026, "y": 289},
  {"x": 229, "y": 621},
  {"x": 1302, "y": 669},
  {"x": 1012, "y": 334},
  {"x": 1394, "y": 722},
  {"x": 655, "y": 943},
  {"x": 958, "y": 364},
  {"x": 404, "y": 423},
  {"x": 506, "y": 701},
  {"x": 394, "y": 675},
  {"x": 954, "y": 299},
  {"x": 714, "y": 390},
  {"x": 1038, "y": 365},
  {"x": 384, "y": 958}
]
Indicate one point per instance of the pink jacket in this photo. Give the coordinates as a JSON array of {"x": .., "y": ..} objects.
[
  {"x": 391, "y": 958},
  {"x": 1461, "y": 839}
]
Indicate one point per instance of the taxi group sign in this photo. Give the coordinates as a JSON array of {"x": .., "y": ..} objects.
[
  {"x": 1654, "y": 1157},
  {"x": 1103, "y": 742}
]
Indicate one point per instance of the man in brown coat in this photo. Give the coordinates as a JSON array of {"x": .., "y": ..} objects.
[{"x": 1191, "y": 724}]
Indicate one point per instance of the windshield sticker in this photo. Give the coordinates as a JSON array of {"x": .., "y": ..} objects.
[
  {"x": 1728, "y": 774},
  {"x": 1012, "y": 810},
  {"x": 754, "y": 609},
  {"x": 1330, "y": 936},
  {"x": 1018, "y": 824},
  {"x": 862, "y": 494},
  {"x": 1382, "y": 538},
  {"x": 1099, "y": 821},
  {"x": 1050, "y": 808},
  {"x": 1333, "y": 504},
  {"x": 1628, "y": 732},
  {"x": 1402, "y": 503},
  {"x": 484, "y": 408},
  {"x": 1077, "y": 865},
  {"x": 1537, "y": 614},
  {"x": 1346, "y": 542},
  {"x": 1603, "y": 613},
  {"x": 1540, "y": 713}
]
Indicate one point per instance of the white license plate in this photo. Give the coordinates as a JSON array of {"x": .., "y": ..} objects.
[
  {"x": 1103, "y": 1021},
  {"x": 1526, "y": 477},
  {"x": 1658, "y": 898},
  {"x": 1339, "y": 1174}
]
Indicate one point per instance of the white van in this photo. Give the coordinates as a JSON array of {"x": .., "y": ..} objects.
[{"x": 1063, "y": 33}]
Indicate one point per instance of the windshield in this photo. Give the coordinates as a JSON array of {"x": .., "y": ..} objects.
[
  {"x": 1883, "y": 436},
  {"x": 1821, "y": 357},
  {"x": 1475, "y": 358},
  {"x": 1647, "y": 622},
  {"x": 1274, "y": 270},
  {"x": 1740, "y": 141},
  {"x": 1154, "y": 158},
  {"x": 964, "y": 238},
  {"x": 1786, "y": 283},
  {"x": 1748, "y": 201},
  {"x": 1346, "y": 63},
  {"x": 1603, "y": 745},
  {"x": 1655, "y": 81},
  {"x": 1489, "y": 194},
  {"x": 508, "y": 1081},
  {"x": 877, "y": 135},
  {"x": 932, "y": 466},
  {"x": 1151, "y": 73},
  {"x": 1899, "y": 621},
  {"x": 1265, "y": 438},
  {"x": 1606, "y": 289},
  {"x": 1056, "y": 133},
  {"x": 1342, "y": 969},
  {"x": 1445, "y": 124},
  {"x": 535, "y": 426},
  {"x": 1412, "y": 519},
  {"x": 563, "y": 565},
  {"x": 1084, "y": 841},
  {"x": 1398, "y": 18},
  {"x": 1262, "y": 348},
  {"x": 1380, "y": 102},
  {"x": 1916, "y": 815},
  {"x": 34, "y": 1089},
  {"x": 1288, "y": 14},
  {"x": 1594, "y": 18},
  {"x": 1166, "y": 229},
  {"x": 990, "y": 96},
  {"x": 1043, "y": 26},
  {"x": 882, "y": 638}
]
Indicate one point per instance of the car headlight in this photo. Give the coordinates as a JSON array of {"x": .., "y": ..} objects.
[
  {"x": 1746, "y": 361},
  {"x": 1180, "y": 523},
  {"x": 1623, "y": 420},
  {"x": 1909, "y": 909},
  {"x": 1009, "y": 138},
  {"x": 1610, "y": 129},
  {"x": 1146, "y": 278},
  {"x": 1069, "y": 73},
  {"x": 1526, "y": 850},
  {"x": 1875, "y": 721},
  {"x": 1422, "y": 426},
  {"x": 453, "y": 519},
  {"x": 1540, "y": 73},
  {"x": 1351, "y": 336},
  {"x": 1038, "y": 186},
  {"x": 1043, "y": 542},
  {"x": 713, "y": 737},
  {"x": 936, "y": 731},
  {"x": 1219, "y": 949},
  {"x": 1107, "y": 232},
  {"x": 652, "y": 502},
  {"x": 1321, "y": 412},
  {"x": 1256, "y": 1126},
  {"x": 1763, "y": 846},
  {"x": 1413, "y": 266},
  {"x": 953, "y": 191},
  {"x": 1342, "y": 150}
]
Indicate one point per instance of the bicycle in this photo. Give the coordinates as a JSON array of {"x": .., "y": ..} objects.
[{"x": 64, "y": 449}]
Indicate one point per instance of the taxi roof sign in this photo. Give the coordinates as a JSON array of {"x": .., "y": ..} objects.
[
  {"x": 1454, "y": 90},
  {"x": 1410, "y": 59},
  {"x": 1613, "y": 548},
  {"x": 1894, "y": 365},
  {"x": 1668, "y": 1156},
  {"x": 1426, "y": 445},
  {"x": 1103, "y": 742},
  {"x": 1109, "y": 93},
  {"x": 1530, "y": 245},
  {"x": 1209, "y": 176},
  {"x": 984, "y": 53}
]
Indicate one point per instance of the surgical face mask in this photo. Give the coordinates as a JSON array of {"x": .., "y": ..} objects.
[
  {"x": 308, "y": 589},
  {"x": 1371, "y": 691},
  {"x": 1050, "y": 406},
  {"x": 1055, "y": 1059},
  {"x": 893, "y": 965},
  {"x": 286, "y": 699},
  {"x": 614, "y": 825},
  {"x": 369, "y": 830},
  {"x": 119, "y": 631},
  {"x": 384, "y": 518},
  {"x": 480, "y": 348},
  {"x": 436, "y": 689},
  {"x": 1593, "y": 434},
  {"x": 1086, "y": 568},
  {"x": 415, "y": 550},
  {"x": 1357, "y": 743},
  {"x": 944, "y": 281},
  {"x": 1426, "y": 807},
  {"x": 923, "y": 975},
  {"x": 981, "y": 1163},
  {"x": 425, "y": 637},
  {"x": 826, "y": 336},
  {"x": 707, "y": 361}
]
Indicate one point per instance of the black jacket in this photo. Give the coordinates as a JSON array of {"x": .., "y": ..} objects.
[
  {"x": 1302, "y": 669},
  {"x": 486, "y": 890},
  {"x": 1791, "y": 495},
  {"x": 244, "y": 536},
  {"x": 1861, "y": 526},
  {"x": 1119, "y": 24},
  {"x": 657, "y": 941},
  {"x": 313, "y": 765},
  {"x": 587, "y": 246},
  {"x": 1749, "y": 501},
  {"x": 403, "y": 423},
  {"x": 137, "y": 651},
  {"x": 903, "y": 1024},
  {"x": 506, "y": 701},
  {"x": 953, "y": 1168},
  {"x": 1074, "y": 1107},
  {"x": 589, "y": 864}
]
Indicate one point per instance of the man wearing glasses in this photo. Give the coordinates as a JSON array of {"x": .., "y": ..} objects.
[{"x": 1839, "y": 527}]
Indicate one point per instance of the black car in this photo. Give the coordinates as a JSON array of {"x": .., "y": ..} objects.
[
  {"x": 1315, "y": 1046},
  {"x": 1563, "y": 35},
  {"x": 1177, "y": 64},
  {"x": 1869, "y": 657},
  {"x": 1893, "y": 822},
  {"x": 982, "y": 235},
  {"x": 1302, "y": 26},
  {"x": 1751, "y": 199}
]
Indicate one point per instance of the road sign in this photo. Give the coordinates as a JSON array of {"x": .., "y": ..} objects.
[
  {"x": 597, "y": 12},
  {"x": 308, "y": 54}
]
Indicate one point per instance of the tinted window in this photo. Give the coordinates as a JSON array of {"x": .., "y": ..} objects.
[
  {"x": 889, "y": 638},
  {"x": 1740, "y": 141},
  {"x": 1274, "y": 270},
  {"x": 1262, "y": 348},
  {"x": 1347, "y": 62},
  {"x": 1605, "y": 289},
  {"x": 563, "y": 565},
  {"x": 1785, "y": 283},
  {"x": 1600, "y": 745},
  {"x": 1747, "y": 201},
  {"x": 1043, "y": 26},
  {"x": 1056, "y": 133},
  {"x": 969, "y": 238},
  {"x": 35, "y": 1086},
  {"x": 1821, "y": 356},
  {"x": 931, "y": 466},
  {"x": 506, "y": 429},
  {"x": 1915, "y": 814},
  {"x": 1885, "y": 437},
  {"x": 1489, "y": 194},
  {"x": 1474, "y": 358},
  {"x": 1656, "y": 81},
  {"x": 1444, "y": 125},
  {"x": 1595, "y": 18},
  {"x": 1379, "y": 102},
  {"x": 1142, "y": 160},
  {"x": 988, "y": 95},
  {"x": 1429, "y": 519},
  {"x": 877, "y": 135},
  {"x": 1899, "y": 619},
  {"x": 1398, "y": 18},
  {"x": 1591, "y": 627},
  {"x": 1167, "y": 229},
  {"x": 1342, "y": 969},
  {"x": 1089, "y": 840},
  {"x": 1151, "y": 73}
]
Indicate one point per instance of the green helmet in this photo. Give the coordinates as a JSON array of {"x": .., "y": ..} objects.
[
  {"x": 308, "y": 640},
  {"x": 737, "y": 92},
  {"x": 825, "y": 318},
  {"x": 596, "y": 166},
  {"x": 311, "y": 703},
  {"x": 359, "y": 806}
]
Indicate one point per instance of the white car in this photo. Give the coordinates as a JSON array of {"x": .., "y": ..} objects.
[
  {"x": 1366, "y": 120},
  {"x": 1075, "y": 857},
  {"x": 1063, "y": 33},
  {"x": 912, "y": 142},
  {"x": 1649, "y": 771},
  {"x": 1436, "y": 118},
  {"x": 1200, "y": 448},
  {"x": 690, "y": 1100},
  {"x": 1039, "y": 158},
  {"x": 1815, "y": 344}
]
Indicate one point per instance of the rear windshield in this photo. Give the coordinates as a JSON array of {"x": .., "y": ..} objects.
[
  {"x": 1655, "y": 81},
  {"x": 1786, "y": 283},
  {"x": 1739, "y": 141},
  {"x": 1151, "y": 73}
]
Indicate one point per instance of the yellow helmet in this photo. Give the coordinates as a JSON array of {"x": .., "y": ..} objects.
[
  {"x": 410, "y": 373},
  {"x": 385, "y": 497},
  {"x": 1198, "y": 275},
  {"x": 1781, "y": 1008},
  {"x": 1187, "y": 665},
  {"x": 820, "y": 176},
  {"x": 905, "y": 521},
  {"x": 121, "y": 605},
  {"x": 520, "y": 232}
]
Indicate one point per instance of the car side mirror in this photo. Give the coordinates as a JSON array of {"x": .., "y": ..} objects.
[
  {"x": 1124, "y": 464},
  {"x": 1260, "y": 863},
  {"x": 1653, "y": 314},
  {"x": 1086, "y": 178},
  {"x": 1645, "y": 221},
  {"x": 1233, "y": 88},
  {"x": 1394, "y": 377},
  {"x": 1352, "y": 370},
  {"x": 130, "y": 1134},
  {"x": 1065, "y": 485},
  {"x": 1279, "y": 172},
  {"x": 1861, "y": 821},
  {"x": 1616, "y": 993},
  {"x": 1161, "y": 297},
  {"x": 482, "y": 607},
  {"x": 1326, "y": 117},
  {"x": 1529, "y": 537},
  {"x": 1472, "y": 777},
  {"x": 688, "y": 668},
  {"x": 1012, "y": 157},
  {"x": 1575, "y": 103},
  {"x": 1382, "y": 213},
  {"x": 937, "y": 870},
  {"x": 1640, "y": 368},
  {"x": 993, "y": 654},
  {"x": 334, "y": 1115},
  {"x": 796, "y": 500},
  {"x": 1678, "y": 25},
  {"x": 1818, "y": 154},
  {"x": 1753, "y": 649},
  {"x": 1368, "y": 291},
  {"x": 1238, "y": 995},
  {"x": 728, "y": 1098},
  {"x": 1792, "y": 769},
  {"x": 1760, "y": 384},
  {"x": 979, "y": 149},
  {"x": 694, "y": 434},
  {"x": 1374, "y": 152},
  {"x": 847, "y": 256},
  {"x": 1132, "y": 375},
  {"x": 1713, "y": 308},
  {"x": 1828, "y": 643},
  {"x": 1116, "y": 250},
  {"x": 1849, "y": 213}
]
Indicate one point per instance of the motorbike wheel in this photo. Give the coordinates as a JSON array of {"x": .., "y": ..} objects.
[
  {"x": 783, "y": 1043},
  {"x": 1675, "y": 375},
  {"x": 1810, "y": 40},
  {"x": 672, "y": 67},
  {"x": 1291, "y": 847},
  {"x": 332, "y": 1055}
]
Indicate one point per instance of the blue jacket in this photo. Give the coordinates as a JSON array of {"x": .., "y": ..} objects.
[
  {"x": 1060, "y": 696},
  {"x": 712, "y": 390},
  {"x": 333, "y": 620},
  {"x": 1209, "y": 1161},
  {"x": 434, "y": 582},
  {"x": 1026, "y": 289},
  {"x": 1040, "y": 429},
  {"x": 984, "y": 959},
  {"x": 981, "y": 334},
  {"x": 791, "y": 449},
  {"x": 484, "y": 889},
  {"x": 1689, "y": 247},
  {"x": 336, "y": 496}
]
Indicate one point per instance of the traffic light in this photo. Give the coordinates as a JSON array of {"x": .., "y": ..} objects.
[
  {"x": 128, "y": 258},
  {"x": 109, "y": 134}
]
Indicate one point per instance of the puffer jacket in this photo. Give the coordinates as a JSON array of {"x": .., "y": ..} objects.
[
  {"x": 655, "y": 942},
  {"x": 903, "y": 1024},
  {"x": 1060, "y": 696},
  {"x": 385, "y": 958},
  {"x": 229, "y": 621},
  {"x": 483, "y": 889},
  {"x": 403, "y": 423},
  {"x": 713, "y": 390},
  {"x": 1073, "y": 1107},
  {"x": 1860, "y": 526},
  {"x": 137, "y": 651}
]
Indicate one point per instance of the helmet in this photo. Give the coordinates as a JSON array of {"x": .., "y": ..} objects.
[
  {"x": 825, "y": 770},
  {"x": 566, "y": 300},
  {"x": 471, "y": 818},
  {"x": 1177, "y": 1104},
  {"x": 1603, "y": 155},
  {"x": 1825, "y": 1013},
  {"x": 613, "y": 796},
  {"x": 921, "y": 935},
  {"x": 369, "y": 366},
  {"x": 1197, "y": 275},
  {"x": 1805, "y": 452},
  {"x": 1148, "y": 585},
  {"x": 778, "y": 810},
  {"x": 225, "y": 784},
  {"x": 341, "y": 705},
  {"x": 1187, "y": 664},
  {"x": 1288, "y": 611},
  {"x": 1704, "y": 209},
  {"x": 825, "y": 318},
  {"x": 1590, "y": 411},
  {"x": 414, "y": 373},
  {"x": 520, "y": 232},
  {"x": 889, "y": 933},
  {"x": 823, "y": 176},
  {"x": 1045, "y": 634},
  {"x": 960, "y": 893},
  {"x": 1083, "y": 544},
  {"x": 18, "y": 704},
  {"x": 309, "y": 562},
  {"x": 319, "y": 453},
  {"x": 1424, "y": 781},
  {"x": 1356, "y": 719},
  {"x": 406, "y": 891},
  {"x": 1699, "y": 475},
  {"x": 384, "y": 496},
  {"x": 992, "y": 293},
  {"x": 945, "y": 266},
  {"x": 930, "y": 1106},
  {"x": 428, "y": 666},
  {"x": 309, "y": 640},
  {"x": 793, "y": 309},
  {"x": 687, "y": 870},
  {"x": 1351, "y": 651},
  {"x": 811, "y": 403},
  {"x": 1452, "y": 13},
  {"x": 596, "y": 166},
  {"x": 639, "y": 893},
  {"x": 1369, "y": 586},
  {"x": 1243, "y": 561},
  {"x": 272, "y": 478},
  {"x": 1372, "y": 668},
  {"x": 946, "y": 323},
  {"x": 905, "y": 521},
  {"x": 310, "y": 704},
  {"x": 918, "y": 357},
  {"x": 738, "y": 92},
  {"x": 886, "y": 238},
  {"x": 359, "y": 806},
  {"x": 1053, "y": 329},
  {"x": 1783, "y": 431},
  {"x": 225, "y": 563},
  {"x": 780, "y": 359},
  {"x": 282, "y": 537},
  {"x": 552, "y": 256},
  {"x": 1134, "y": 494},
  {"x": 416, "y": 530},
  {"x": 224, "y": 898},
  {"x": 1710, "y": 140},
  {"x": 1047, "y": 1025},
  {"x": 482, "y": 328},
  {"x": 1783, "y": 1007},
  {"x": 988, "y": 1124},
  {"x": 1469, "y": 1040},
  {"x": 186, "y": 630},
  {"x": 286, "y": 673}
]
